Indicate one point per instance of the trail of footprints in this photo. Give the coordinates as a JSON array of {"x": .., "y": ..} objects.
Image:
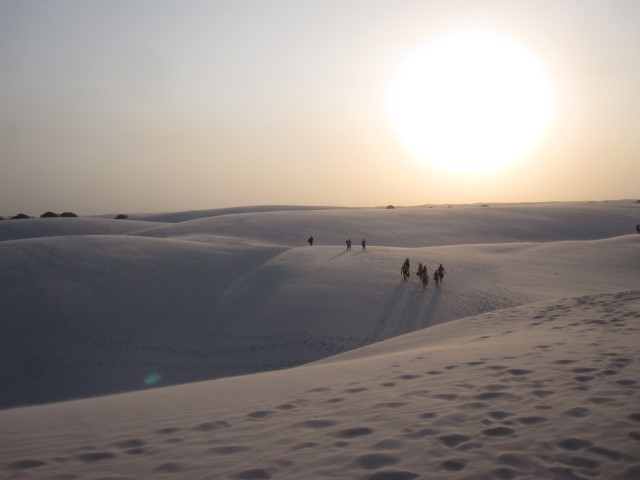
[
  {"x": 496, "y": 409},
  {"x": 570, "y": 456}
]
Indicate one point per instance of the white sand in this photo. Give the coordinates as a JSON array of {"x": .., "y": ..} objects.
[{"x": 530, "y": 367}]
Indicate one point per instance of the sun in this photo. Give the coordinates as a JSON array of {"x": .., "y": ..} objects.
[{"x": 471, "y": 101}]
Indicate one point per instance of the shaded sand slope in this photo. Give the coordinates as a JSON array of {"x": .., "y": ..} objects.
[
  {"x": 92, "y": 315},
  {"x": 419, "y": 226},
  {"x": 546, "y": 391},
  {"x": 62, "y": 226}
]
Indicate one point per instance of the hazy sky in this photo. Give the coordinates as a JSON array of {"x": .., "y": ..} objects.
[{"x": 148, "y": 105}]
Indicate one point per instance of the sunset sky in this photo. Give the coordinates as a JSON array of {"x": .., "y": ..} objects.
[{"x": 150, "y": 105}]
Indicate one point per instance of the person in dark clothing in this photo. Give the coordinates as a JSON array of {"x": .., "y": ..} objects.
[
  {"x": 441, "y": 272},
  {"x": 348, "y": 244},
  {"x": 364, "y": 244},
  {"x": 310, "y": 241}
]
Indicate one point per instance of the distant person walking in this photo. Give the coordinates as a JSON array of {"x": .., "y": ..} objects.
[
  {"x": 441, "y": 273},
  {"x": 404, "y": 270},
  {"x": 310, "y": 241},
  {"x": 436, "y": 277},
  {"x": 348, "y": 242},
  {"x": 364, "y": 244}
]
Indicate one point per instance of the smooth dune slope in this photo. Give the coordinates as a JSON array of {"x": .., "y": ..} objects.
[
  {"x": 92, "y": 315},
  {"x": 65, "y": 226}
]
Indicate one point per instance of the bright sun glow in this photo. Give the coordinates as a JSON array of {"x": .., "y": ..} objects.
[{"x": 471, "y": 101}]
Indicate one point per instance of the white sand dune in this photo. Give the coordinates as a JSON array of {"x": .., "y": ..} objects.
[
  {"x": 64, "y": 226},
  {"x": 419, "y": 226},
  {"x": 547, "y": 390},
  {"x": 529, "y": 367}
]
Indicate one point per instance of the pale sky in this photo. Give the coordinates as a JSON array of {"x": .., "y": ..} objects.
[{"x": 147, "y": 105}]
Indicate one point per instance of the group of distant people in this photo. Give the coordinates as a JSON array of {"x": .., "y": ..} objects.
[
  {"x": 422, "y": 273},
  {"x": 348, "y": 242},
  {"x": 363, "y": 243}
]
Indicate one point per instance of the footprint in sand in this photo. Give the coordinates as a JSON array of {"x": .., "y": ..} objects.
[
  {"x": 304, "y": 446},
  {"x": 374, "y": 461},
  {"x": 392, "y": 404},
  {"x": 131, "y": 443},
  {"x": 354, "y": 432},
  {"x": 428, "y": 415},
  {"x": 170, "y": 467},
  {"x": 634, "y": 435},
  {"x": 210, "y": 426},
  {"x": 318, "y": 390},
  {"x": 453, "y": 440},
  {"x": 95, "y": 457},
  {"x": 260, "y": 414},
  {"x": 315, "y": 424},
  {"x": 422, "y": 433},
  {"x": 542, "y": 393},
  {"x": 253, "y": 474},
  {"x": 605, "y": 452},
  {"x": 26, "y": 464},
  {"x": 229, "y": 450},
  {"x": 573, "y": 444},
  {"x": 583, "y": 370},
  {"x": 627, "y": 383},
  {"x": 493, "y": 396},
  {"x": 498, "y": 432},
  {"x": 533, "y": 420},
  {"x": 356, "y": 390},
  {"x": 167, "y": 431},
  {"x": 499, "y": 415},
  {"x": 577, "y": 412},
  {"x": 391, "y": 475},
  {"x": 407, "y": 377},
  {"x": 446, "y": 396},
  {"x": 389, "y": 444},
  {"x": 334, "y": 400},
  {"x": 454, "y": 465}
]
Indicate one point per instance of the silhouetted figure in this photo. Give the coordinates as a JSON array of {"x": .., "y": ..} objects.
[
  {"x": 419, "y": 271},
  {"x": 404, "y": 270},
  {"x": 425, "y": 278},
  {"x": 310, "y": 241},
  {"x": 441, "y": 273},
  {"x": 348, "y": 242},
  {"x": 364, "y": 244},
  {"x": 436, "y": 277}
]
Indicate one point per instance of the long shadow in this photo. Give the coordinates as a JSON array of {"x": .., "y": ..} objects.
[
  {"x": 410, "y": 318},
  {"x": 357, "y": 253},
  {"x": 385, "y": 313},
  {"x": 431, "y": 309},
  {"x": 338, "y": 255}
]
